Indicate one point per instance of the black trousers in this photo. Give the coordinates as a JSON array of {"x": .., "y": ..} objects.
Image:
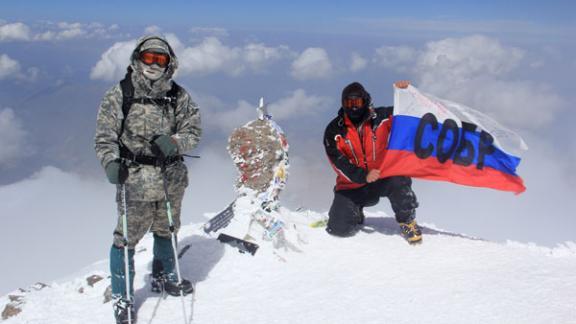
[{"x": 346, "y": 210}]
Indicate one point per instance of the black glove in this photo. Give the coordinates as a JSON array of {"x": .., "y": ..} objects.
[
  {"x": 117, "y": 172},
  {"x": 164, "y": 146}
]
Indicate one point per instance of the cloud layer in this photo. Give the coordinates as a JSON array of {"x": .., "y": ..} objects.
[
  {"x": 14, "y": 31},
  {"x": 207, "y": 57},
  {"x": 55, "y": 31},
  {"x": 477, "y": 71},
  {"x": 8, "y": 67},
  {"x": 313, "y": 63},
  {"x": 13, "y": 137},
  {"x": 293, "y": 106},
  {"x": 11, "y": 69},
  {"x": 113, "y": 62},
  {"x": 211, "y": 56}
]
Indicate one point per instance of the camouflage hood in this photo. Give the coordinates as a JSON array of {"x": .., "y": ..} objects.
[{"x": 140, "y": 81}]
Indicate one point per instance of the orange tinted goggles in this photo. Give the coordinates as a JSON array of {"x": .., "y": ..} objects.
[
  {"x": 150, "y": 58},
  {"x": 351, "y": 102}
]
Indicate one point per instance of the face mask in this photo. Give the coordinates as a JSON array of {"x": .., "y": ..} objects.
[
  {"x": 356, "y": 114},
  {"x": 355, "y": 108},
  {"x": 152, "y": 72}
]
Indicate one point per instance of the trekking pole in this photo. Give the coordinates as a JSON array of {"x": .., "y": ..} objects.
[
  {"x": 126, "y": 261},
  {"x": 173, "y": 236}
]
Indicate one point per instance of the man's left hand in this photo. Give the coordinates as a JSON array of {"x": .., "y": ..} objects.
[
  {"x": 164, "y": 146},
  {"x": 373, "y": 175},
  {"x": 403, "y": 84}
]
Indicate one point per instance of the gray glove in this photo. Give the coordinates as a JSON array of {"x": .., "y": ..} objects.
[
  {"x": 116, "y": 171},
  {"x": 164, "y": 146}
]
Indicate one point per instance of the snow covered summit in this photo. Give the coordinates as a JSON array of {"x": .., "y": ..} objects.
[{"x": 374, "y": 277}]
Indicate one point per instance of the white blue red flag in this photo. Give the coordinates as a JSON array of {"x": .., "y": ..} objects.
[{"x": 437, "y": 139}]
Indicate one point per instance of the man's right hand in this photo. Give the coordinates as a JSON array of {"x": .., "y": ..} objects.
[
  {"x": 117, "y": 172},
  {"x": 373, "y": 175}
]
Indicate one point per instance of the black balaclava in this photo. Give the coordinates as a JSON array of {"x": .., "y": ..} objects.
[{"x": 357, "y": 114}]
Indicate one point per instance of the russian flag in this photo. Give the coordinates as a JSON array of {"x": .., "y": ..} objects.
[{"x": 436, "y": 139}]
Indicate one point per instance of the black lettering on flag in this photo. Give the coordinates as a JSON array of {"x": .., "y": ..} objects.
[
  {"x": 419, "y": 150},
  {"x": 465, "y": 146},
  {"x": 448, "y": 126},
  {"x": 486, "y": 148}
]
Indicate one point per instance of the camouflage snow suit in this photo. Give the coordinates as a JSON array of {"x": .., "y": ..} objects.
[{"x": 144, "y": 186}]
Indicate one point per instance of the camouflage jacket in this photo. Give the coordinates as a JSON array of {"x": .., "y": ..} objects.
[{"x": 144, "y": 121}]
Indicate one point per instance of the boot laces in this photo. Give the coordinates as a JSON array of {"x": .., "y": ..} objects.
[{"x": 409, "y": 228}]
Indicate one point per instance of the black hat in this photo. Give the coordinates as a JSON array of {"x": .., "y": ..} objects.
[{"x": 356, "y": 89}]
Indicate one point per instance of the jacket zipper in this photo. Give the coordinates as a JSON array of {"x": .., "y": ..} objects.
[
  {"x": 361, "y": 135},
  {"x": 374, "y": 147},
  {"x": 352, "y": 150}
]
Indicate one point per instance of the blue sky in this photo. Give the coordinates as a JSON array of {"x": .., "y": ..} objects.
[
  {"x": 288, "y": 14},
  {"x": 514, "y": 60}
]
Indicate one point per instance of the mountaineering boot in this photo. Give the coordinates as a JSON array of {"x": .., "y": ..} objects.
[
  {"x": 156, "y": 284},
  {"x": 164, "y": 277},
  {"x": 121, "y": 308},
  {"x": 411, "y": 232},
  {"x": 157, "y": 278},
  {"x": 173, "y": 288}
]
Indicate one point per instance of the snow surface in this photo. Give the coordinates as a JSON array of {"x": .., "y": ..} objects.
[{"x": 374, "y": 277}]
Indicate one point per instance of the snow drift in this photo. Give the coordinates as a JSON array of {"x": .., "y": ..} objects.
[{"x": 374, "y": 277}]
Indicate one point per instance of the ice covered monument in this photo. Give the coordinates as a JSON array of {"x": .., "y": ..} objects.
[{"x": 259, "y": 150}]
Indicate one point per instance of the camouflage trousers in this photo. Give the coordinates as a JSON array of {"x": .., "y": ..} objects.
[{"x": 144, "y": 216}]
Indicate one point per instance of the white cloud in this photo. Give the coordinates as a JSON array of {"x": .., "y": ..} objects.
[
  {"x": 230, "y": 119},
  {"x": 113, "y": 63},
  {"x": 358, "y": 62},
  {"x": 66, "y": 31},
  {"x": 475, "y": 71},
  {"x": 257, "y": 56},
  {"x": 298, "y": 103},
  {"x": 11, "y": 69},
  {"x": 396, "y": 57},
  {"x": 210, "y": 56},
  {"x": 61, "y": 31},
  {"x": 14, "y": 31},
  {"x": 462, "y": 59},
  {"x": 152, "y": 30},
  {"x": 516, "y": 104},
  {"x": 294, "y": 105},
  {"x": 313, "y": 63},
  {"x": 12, "y": 138},
  {"x": 8, "y": 67}
]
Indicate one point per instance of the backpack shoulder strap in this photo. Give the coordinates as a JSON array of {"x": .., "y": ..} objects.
[
  {"x": 173, "y": 94},
  {"x": 127, "y": 97}
]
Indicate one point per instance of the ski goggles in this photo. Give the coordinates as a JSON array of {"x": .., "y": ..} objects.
[
  {"x": 150, "y": 58},
  {"x": 351, "y": 102}
]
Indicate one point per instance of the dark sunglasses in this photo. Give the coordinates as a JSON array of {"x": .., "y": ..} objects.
[
  {"x": 352, "y": 102},
  {"x": 150, "y": 58}
]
